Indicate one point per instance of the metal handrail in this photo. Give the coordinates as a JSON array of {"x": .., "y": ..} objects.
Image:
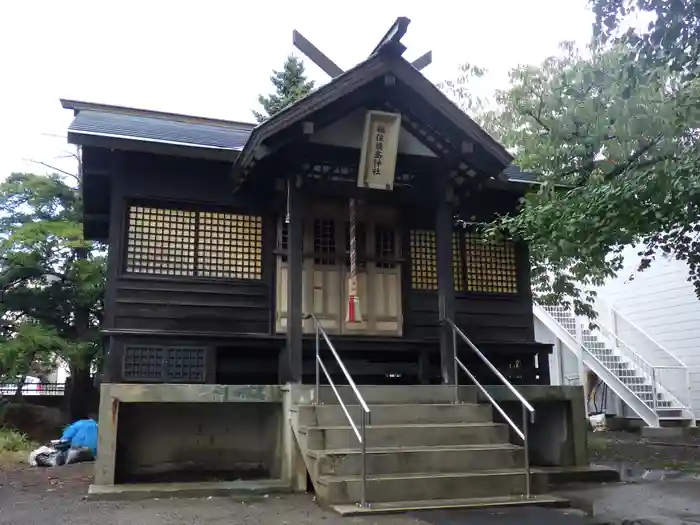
[
  {"x": 526, "y": 406},
  {"x": 648, "y": 369},
  {"x": 360, "y": 433},
  {"x": 642, "y": 364},
  {"x": 639, "y": 329}
]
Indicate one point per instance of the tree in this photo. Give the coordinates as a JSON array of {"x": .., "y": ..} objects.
[
  {"x": 671, "y": 37},
  {"x": 52, "y": 281},
  {"x": 290, "y": 85},
  {"x": 619, "y": 164}
]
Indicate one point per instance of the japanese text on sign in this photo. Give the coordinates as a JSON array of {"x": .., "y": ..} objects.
[{"x": 380, "y": 142}]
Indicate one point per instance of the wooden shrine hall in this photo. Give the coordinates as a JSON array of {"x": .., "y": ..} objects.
[
  {"x": 258, "y": 274},
  {"x": 224, "y": 236}
]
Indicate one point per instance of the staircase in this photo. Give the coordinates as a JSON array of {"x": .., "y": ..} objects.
[
  {"x": 638, "y": 383},
  {"x": 423, "y": 451}
]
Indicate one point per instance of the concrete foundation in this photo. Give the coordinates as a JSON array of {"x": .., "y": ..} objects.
[
  {"x": 190, "y": 433},
  {"x": 208, "y": 434},
  {"x": 559, "y": 432}
]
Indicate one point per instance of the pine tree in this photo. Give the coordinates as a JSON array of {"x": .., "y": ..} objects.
[{"x": 290, "y": 85}]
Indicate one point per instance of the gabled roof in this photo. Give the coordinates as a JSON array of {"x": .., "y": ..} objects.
[
  {"x": 380, "y": 63},
  {"x": 122, "y": 127}
]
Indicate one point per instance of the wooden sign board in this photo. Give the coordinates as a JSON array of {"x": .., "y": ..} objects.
[{"x": 380, "y": 143}]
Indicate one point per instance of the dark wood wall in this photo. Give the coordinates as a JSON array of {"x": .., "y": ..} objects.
[
  {"x": 155, "y": 302},
  {"x": 483, "y": 317}
]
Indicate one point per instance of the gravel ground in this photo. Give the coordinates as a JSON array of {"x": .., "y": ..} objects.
[
  {"x": 628, "y": 449},
  {"x": 57, "y": 497},
  {"x": 663, "y": 487}
]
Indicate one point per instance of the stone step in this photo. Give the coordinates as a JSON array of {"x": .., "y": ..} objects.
[
  {"x": 428, "y": 435},
  {"x": 404, "y": 460},
  {"x": 396, "y": 394},
  {"x": 543, "y": 500},
  {"x": 333, "y": 415},
  {"x": 422, "y": 486}
]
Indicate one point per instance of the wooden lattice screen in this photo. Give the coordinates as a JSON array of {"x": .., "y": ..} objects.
[
  {"x": 423, "y": 260},
  {"x": 229, "y": 246},
  {"x": 478, "y": 265},
  {"x": 491, "y": 267},
  {"x": 457, "y": 263},
  {"x": 193, "y": 243}
]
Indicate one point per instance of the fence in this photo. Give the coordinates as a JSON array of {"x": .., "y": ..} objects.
[{"x": 33, "y": 389}]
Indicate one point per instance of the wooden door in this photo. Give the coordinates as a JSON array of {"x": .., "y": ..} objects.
[{"x": 326, "y": 271}]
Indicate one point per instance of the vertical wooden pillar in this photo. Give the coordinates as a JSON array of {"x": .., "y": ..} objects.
[
  {"x": 292, "y": 365},
  {"x": 543, "y": 369},
  {"x": 446, "y": 290}
]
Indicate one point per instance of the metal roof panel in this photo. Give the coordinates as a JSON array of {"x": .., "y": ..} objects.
[{"x": 159, "y": 129}]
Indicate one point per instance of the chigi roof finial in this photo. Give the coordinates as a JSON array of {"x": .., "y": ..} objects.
[{"x": 390, "y": 43}]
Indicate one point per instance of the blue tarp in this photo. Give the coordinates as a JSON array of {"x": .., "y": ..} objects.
[{"x": 82, "y": 433}]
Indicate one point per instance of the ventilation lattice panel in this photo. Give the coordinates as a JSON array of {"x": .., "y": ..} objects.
[
  {"x": 457, "y": 262},
  {"x": 160, "y": 241},
  {"x": 185, "y": 364},
  {"x": 190, "y": 243},
  {"x": 423, "y": 260},
  {"x": 229, "y": 246},
  {"x": 164, "y": 363},
  {"x": 491, "y": 266},
  {"x": 143, "y": 363}
]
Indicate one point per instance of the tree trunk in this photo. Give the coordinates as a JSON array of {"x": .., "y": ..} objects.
[{"x": 80, "y": 393}]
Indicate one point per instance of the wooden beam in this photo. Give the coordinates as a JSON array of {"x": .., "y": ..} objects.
[
  {"x": 315, "y": 55},
  {"x": 423, "y": 61},
  {"x": 292, "y": 358},
  {"x": 446, "y": 290},
  {"x": 394, "y": 35}
]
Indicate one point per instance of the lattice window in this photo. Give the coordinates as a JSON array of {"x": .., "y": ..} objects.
[
  {"x": 185, "y": 364},
  {"x": 457, "y": 262},
  {"x": 324, "y": 240},
  {"x": 143, "y": 363},
  {"x": 491, "y": 266},
  {"x": 164, "y": 363},
  {"x": 423, "y": 260},
  {"x": 161, "y": 241},
  {"x": 193, "y": 243},
  {"x": 229, "y": 246},
  {"x": 385, "y": 246}
]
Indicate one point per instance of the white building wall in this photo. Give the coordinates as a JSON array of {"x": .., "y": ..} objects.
[{"x": 661, "y": 302}]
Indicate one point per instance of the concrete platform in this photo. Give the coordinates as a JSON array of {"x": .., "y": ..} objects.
[
  {"x": 140, "y": 491},
  {"x": 557, "y": 476},
  {"x": 444, "y": 504}
]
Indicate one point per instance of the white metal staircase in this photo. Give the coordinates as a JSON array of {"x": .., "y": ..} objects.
[{"x": 655, "y": 385}]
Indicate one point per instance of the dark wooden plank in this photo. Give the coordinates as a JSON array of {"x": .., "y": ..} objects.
[
  {"x": 446, "y": 297},
  {"x": 194, "y": 324},
  {"x": 293, "y": 354},
  {"x": 116, "y": 236}
]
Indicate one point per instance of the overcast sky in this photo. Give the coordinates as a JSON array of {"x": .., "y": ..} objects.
[{"x": 213, "y": 57}]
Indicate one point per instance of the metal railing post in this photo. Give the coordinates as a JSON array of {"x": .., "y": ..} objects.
[
  {"x": 360, "y": 433},
  {"x": 318, "y": 357},
  {"x": 454, "y": 363},
  {"x": 526, "y": 407},
  {"x": 363, "y": 445},
  {"x": 653, "y": 390},
  {"x": 526, "y": 440}
]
